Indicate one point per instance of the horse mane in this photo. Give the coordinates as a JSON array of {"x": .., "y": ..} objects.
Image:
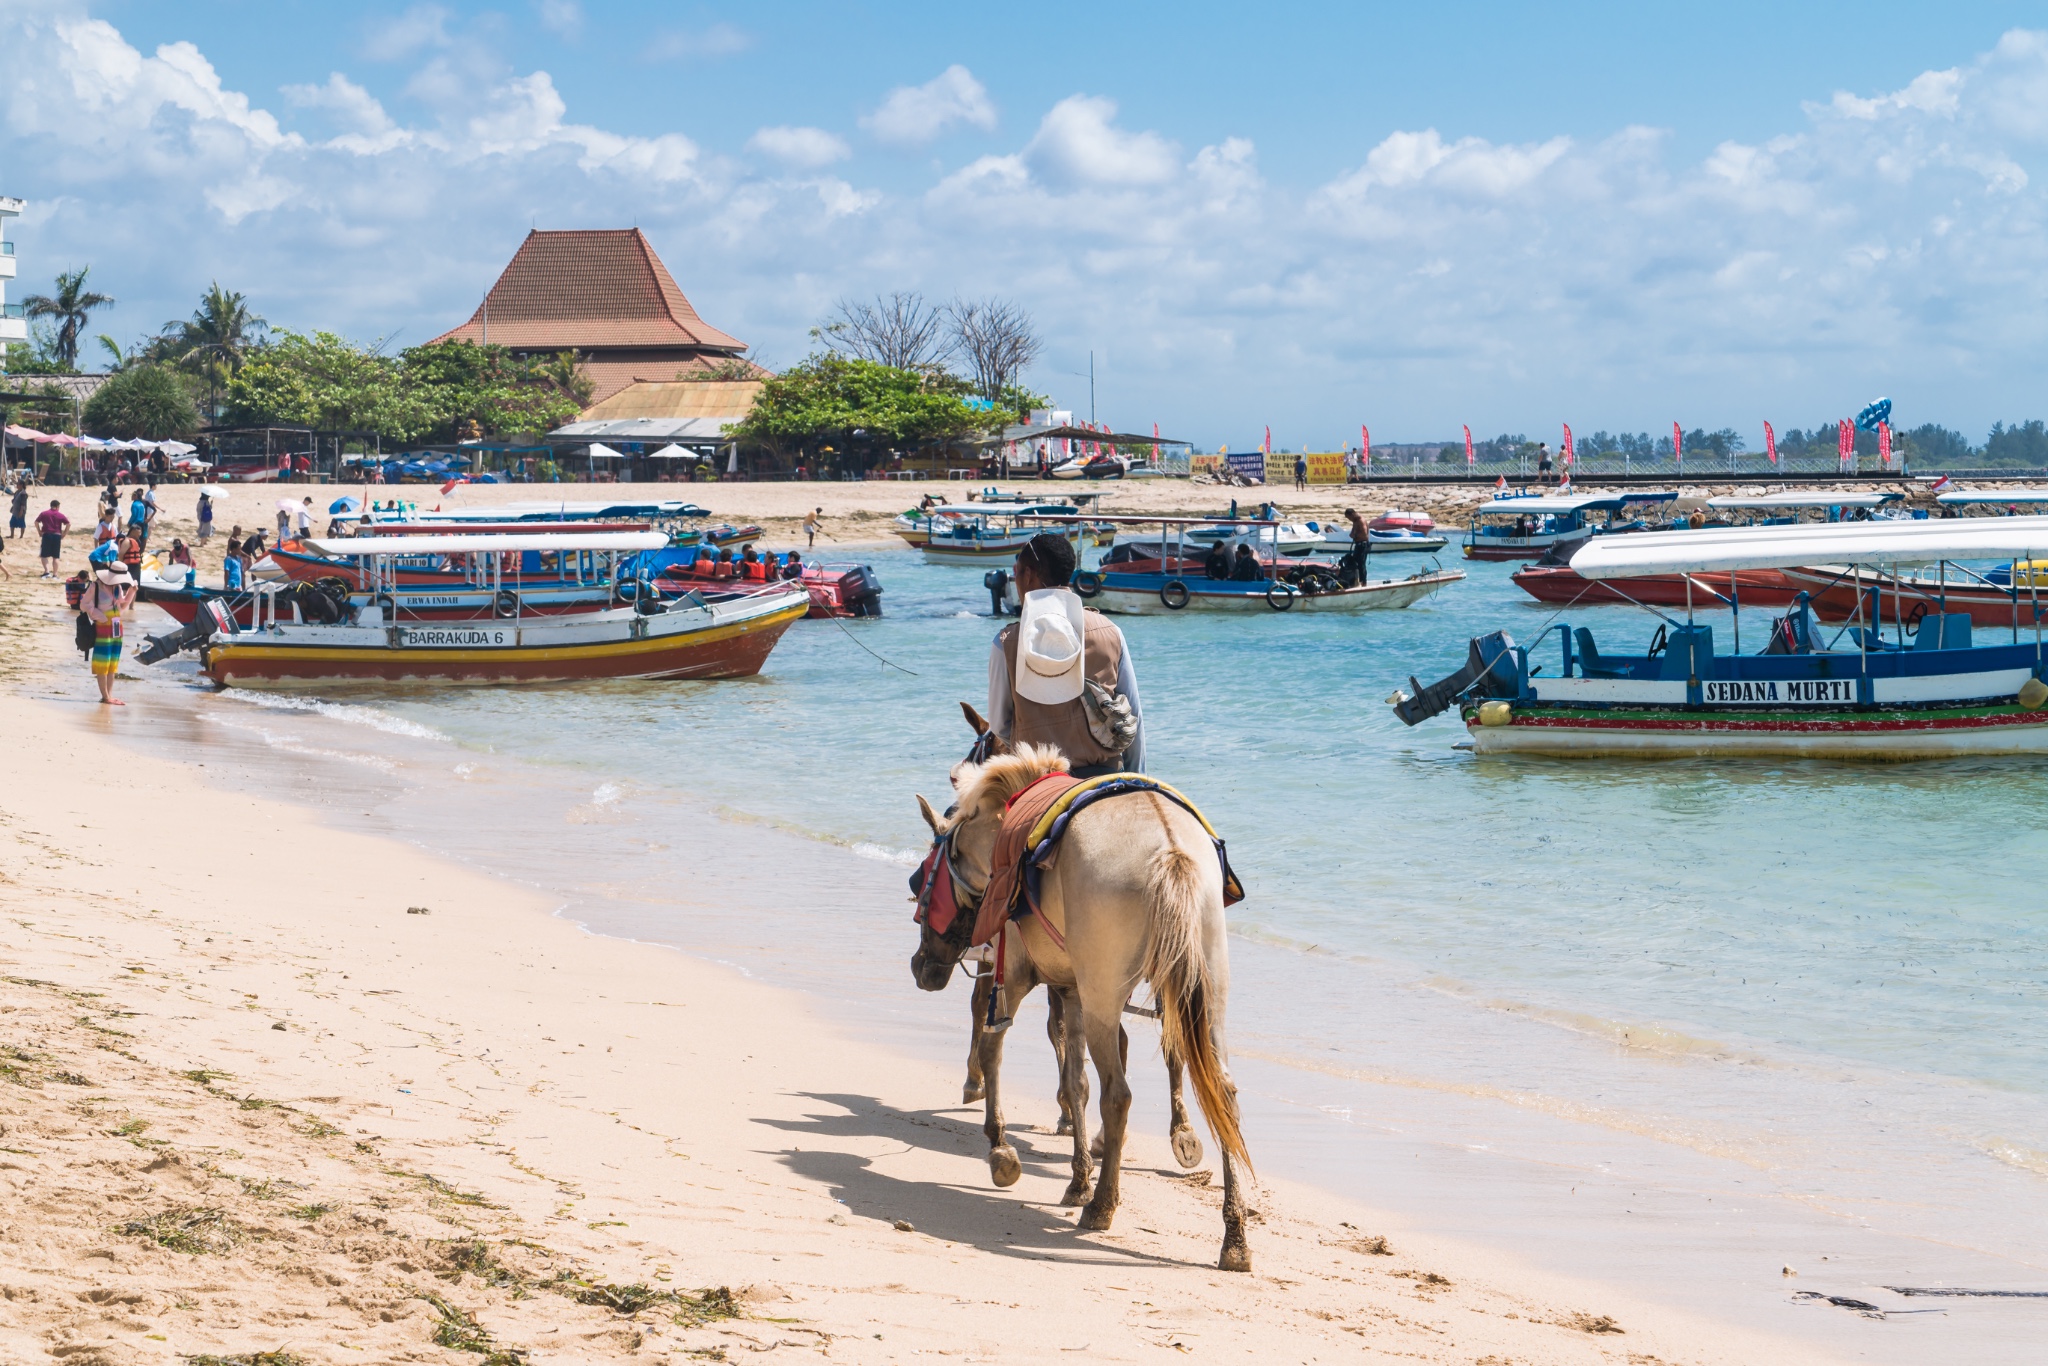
[{"x": 1004, "y": 776}]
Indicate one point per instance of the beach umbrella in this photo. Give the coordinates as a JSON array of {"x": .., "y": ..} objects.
[
  {"x": 176, "y": 447},
  {"x": 600, "y": 451},
  {"x": 215, "y": 492},
  {"x": 341, "y": 505},
  {"x": 673, "y": 452},
  {"x": 287, "y": 505}
]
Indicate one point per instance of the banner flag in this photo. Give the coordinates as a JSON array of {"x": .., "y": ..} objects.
[
  {"x": 1845, "y": 442},
  {"x": 1677, "y": 447},
  {"x": 1468, "y": 448},
  {"x": 1267, "y": 446},
  {"x": 1365, "y": 447},
  {"x": 1884, "y": 443},
  {"x": 1770, "y": 443},
  {"x": 1567, "y": 455}
]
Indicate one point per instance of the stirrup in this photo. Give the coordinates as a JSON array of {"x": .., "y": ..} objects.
[{"x": 998, "y": 1026}]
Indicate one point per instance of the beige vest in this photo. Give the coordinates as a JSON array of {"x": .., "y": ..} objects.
[{"x": 1065, "y": 724}]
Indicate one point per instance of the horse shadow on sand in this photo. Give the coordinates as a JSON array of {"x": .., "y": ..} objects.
[{"x": 994, "y": 1221}]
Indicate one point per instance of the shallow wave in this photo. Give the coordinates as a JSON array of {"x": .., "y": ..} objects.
[
  {"x": 340, "y": 711},
  {"x": 902, "y": 858}
]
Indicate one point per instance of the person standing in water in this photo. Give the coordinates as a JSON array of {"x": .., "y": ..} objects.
[{"x": 107, "y": 600}]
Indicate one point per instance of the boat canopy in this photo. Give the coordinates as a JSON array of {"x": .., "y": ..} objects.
[
  {"x": 487, "y": 544},
  {"x": 1571, "y": 502},
  {"x": 1892, "y": 542},
  {"x": 545, "y": 512},
  {"x": 1803, "y": 500},
  {"x": 1994, "y": 496},
  {"x": 1000, "y": 510}
]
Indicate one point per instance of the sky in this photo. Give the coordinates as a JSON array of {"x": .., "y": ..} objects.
[{"x": 1302, "y": 217}]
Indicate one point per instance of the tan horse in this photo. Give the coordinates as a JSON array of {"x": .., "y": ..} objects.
[{"x": 1134, "y": 894}]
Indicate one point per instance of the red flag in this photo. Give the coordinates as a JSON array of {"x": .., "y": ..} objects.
[
  {"x": 1501, "y": 483},
  {"x": 1938, "y": 485},
  {"x": 1468, "y": 453},
  {"x": 1771, "y": 443},
  {"x": 1845, "y": 441},
  {"x": 1365, "y": 445},
  {"x": 1884, "y": 443},
  {"x": 1567, "y": 445},
  {"x": 1677, "y": 447}
]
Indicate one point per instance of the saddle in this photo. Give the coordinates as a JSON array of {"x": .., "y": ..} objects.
[{"x": 1035, "y": 820}]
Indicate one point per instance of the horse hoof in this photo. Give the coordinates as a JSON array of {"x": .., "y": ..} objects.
[
  {"x": 970, "y": 1092},
  {"x": 1065, "y": 1126},
  {"x": 1076, "y": 1195},
  {"x": 1096, "y": 1218},
  {"x": 1003, "y": 1166},
  {"x": 1187, "y": 1149},
  {"x": 1236, "y": 1257}
]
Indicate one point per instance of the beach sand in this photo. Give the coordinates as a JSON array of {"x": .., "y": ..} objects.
[{"x": 270, "y": 1085}]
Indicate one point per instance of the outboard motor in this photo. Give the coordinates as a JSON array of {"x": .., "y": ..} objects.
[
  {"x": 1490, "y": 671},
  {"x": 212, "y": 619},
  {"x": 997, "y": 581},
  {"x": 861, "y": 592}
]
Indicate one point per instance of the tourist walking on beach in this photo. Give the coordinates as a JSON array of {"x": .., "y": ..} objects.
[
  {"x": 51, "y": 523},
  {"x": 1301, "y": 471},
  {"x": 106, "y": 601},
  {"x": 1042, "y": 667},
  {"x": 811, "y": 527},
  {"x": 305, "y": 519},
  {"x": 17, "y": 515},
  {"x": 138, "y": 517},
  {"x": 205, "y": 516}
]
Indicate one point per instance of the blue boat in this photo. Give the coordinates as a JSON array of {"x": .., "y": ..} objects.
[
  {"x": 1524, "y": 526},
  {"x": 1923, "y": 690}
]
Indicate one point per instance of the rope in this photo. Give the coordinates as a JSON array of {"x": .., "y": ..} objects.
[{"x": 858, "y": 641}]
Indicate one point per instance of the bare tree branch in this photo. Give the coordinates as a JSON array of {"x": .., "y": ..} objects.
[
  {"x": 995, "y": 338},
  {"x": 897, "y": 329}
]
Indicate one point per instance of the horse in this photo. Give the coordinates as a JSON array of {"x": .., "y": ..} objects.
[{"x": 1134, "y": 894}]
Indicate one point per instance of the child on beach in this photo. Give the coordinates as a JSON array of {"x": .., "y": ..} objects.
[{"x": 17, "y": 516}]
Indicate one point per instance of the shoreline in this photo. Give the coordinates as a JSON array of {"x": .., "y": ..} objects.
[{"x": 1649, "y": 1326}]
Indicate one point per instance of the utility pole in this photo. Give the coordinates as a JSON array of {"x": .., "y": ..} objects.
[{"x": 1091, "y": 387}]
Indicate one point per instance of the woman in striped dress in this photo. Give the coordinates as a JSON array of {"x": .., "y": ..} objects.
[{"x": 107, "y": 602}]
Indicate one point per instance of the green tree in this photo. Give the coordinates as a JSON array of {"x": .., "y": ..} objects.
[
  {"x": 149, "y": 401},
  {"x": 70, "y": 308},
  {"x": 462, "y": 383},
  {"x": 860, "y": 407},
  {"x": 328, "y": 383},
  {"x": 215, "y": 341}
]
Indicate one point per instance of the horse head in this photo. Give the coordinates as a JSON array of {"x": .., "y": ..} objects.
[{"x": 956, "y": 872}]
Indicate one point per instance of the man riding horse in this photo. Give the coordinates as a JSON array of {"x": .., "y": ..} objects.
[{"x": 1061, "y": 667}]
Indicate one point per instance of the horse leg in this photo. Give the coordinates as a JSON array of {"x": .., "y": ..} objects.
[
  {"x": 1074, "y": 1091},
  {"x": 1110, "y": 1050},
  {"x": 1123, "y": 1053},
  {"x": 1056, "y": 1031},
  {"x": 1003, "y": 1165},
  {"x": 1237, "y": 1253},
  {"x": 977, "y": 1009},
  {"x": 1187, "y": 1148}
]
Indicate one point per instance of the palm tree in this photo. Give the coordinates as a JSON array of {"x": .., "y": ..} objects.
[
  {"x": 72, "y": 307},
  {"x": 217, "y": 339}
]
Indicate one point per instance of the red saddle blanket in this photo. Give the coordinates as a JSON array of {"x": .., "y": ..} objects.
[{"x": 1021, "y": 816}]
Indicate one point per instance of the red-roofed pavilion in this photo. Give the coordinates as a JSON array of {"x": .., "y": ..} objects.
[{"x": 604, "y": 294}]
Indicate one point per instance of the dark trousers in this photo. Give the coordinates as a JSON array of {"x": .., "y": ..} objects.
[{"x": 1101, "y": 770}]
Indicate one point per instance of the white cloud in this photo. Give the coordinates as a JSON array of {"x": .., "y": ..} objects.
[
  {"x": 803, "y": 148},
  {"x": 716, "y": 40},
  {"x": 419, "y": 28},
  {"x": 1079, "y": 141},
  {"x": 915, "y": 114},
  {"x": 564, "y": 18}
]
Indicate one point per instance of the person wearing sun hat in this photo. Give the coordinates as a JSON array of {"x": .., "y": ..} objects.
[
  {"x": 1045, "y": 666},
  {"x": 106, "y": 601}
]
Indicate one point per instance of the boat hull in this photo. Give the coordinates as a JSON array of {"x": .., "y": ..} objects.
[
  {"x": 1143, "y": 598},
  {"x": 1904, "y": 734},
  {"x": 1565, "y": 586},
  {"x": 1518, "y": 547},
  {"x": 723, "y": 641}
]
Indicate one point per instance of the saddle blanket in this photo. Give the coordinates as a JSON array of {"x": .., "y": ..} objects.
[{"x": 1035, "y": 819}]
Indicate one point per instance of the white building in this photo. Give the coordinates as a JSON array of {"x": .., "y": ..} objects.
[{"x": 13, "y": 327}]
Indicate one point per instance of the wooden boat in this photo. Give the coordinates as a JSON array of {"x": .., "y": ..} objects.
[
  {"x": 1563, "y": 585},
  {"x": 1524, "y": 526},
  {"x": 653, "y": 639},
  {"x": 1928, "y": 693},
  {"x": 1166, "y": 576},
  {"x": 1997, "y": 599},
  {"x": 837, "y": 590},
  {"x": 970, "y": 533}
]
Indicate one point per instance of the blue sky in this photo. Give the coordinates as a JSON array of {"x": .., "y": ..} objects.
[{"x": 1296, "y": 215}]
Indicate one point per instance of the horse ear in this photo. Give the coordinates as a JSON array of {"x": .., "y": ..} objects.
[
  {"x": 974, "y": 718},
  {"x": 931, "y": 817}
]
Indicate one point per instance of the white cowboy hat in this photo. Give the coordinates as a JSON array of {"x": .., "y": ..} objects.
[{"x": 1051, "y": 636}]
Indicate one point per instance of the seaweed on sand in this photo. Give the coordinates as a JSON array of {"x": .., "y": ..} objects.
[
  {"x": 459, "y": 1331},
  {"x": 184, "y": 1228}
]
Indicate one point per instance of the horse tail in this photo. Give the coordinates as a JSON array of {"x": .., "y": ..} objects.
[{"x": 1178, "y": 970}]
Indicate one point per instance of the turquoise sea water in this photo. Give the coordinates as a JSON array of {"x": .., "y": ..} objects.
[{"x": 1881, "y": 914}]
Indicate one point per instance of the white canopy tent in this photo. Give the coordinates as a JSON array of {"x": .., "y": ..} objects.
[{"x": 1718, "y": 549}]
